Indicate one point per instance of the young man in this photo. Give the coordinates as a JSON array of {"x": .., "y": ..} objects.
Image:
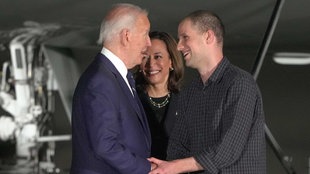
[{"x": 220, "y": 122}]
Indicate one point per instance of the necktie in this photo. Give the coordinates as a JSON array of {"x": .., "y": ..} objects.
[
  {"x": 131, "y": 83},
  {"x": 139, "y": 106},
  {"x": 133, "y": 88}
]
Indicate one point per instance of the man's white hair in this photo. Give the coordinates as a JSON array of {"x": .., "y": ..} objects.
[{"x": 120, "y": 16}]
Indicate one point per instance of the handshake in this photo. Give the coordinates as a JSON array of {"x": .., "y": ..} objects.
[{"x": 175, "y": 166}]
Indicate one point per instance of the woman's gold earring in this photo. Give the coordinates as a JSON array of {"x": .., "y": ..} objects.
[{"x": 171, "y": 69}]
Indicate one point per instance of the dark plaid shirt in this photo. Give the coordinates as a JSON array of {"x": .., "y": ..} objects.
[{"x": 221, "y": 123}]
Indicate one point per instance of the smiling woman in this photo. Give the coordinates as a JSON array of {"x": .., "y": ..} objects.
[{"x": 158, "y": 82}]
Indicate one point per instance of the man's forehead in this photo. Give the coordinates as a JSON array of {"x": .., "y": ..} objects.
[
  {"x": 184, "y": 26},
  {"x": 143, "y": 21}
]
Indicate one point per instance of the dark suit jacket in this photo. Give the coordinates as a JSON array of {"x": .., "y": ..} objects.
[{"x": 109, "y": 132}]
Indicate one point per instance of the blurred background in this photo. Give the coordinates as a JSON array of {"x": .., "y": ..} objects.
[{"x": 45, "y": 45}]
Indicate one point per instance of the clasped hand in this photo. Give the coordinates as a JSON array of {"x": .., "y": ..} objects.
[{"x": 162, "y": 167}]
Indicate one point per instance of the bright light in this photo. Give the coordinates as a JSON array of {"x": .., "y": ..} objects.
[{"x": 289, "y": 58}]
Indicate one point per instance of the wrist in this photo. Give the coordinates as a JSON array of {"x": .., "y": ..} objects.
[{"x": 187, "y": 165}]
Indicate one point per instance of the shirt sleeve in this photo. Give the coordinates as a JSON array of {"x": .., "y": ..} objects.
[{"x": 237, "y": 118}]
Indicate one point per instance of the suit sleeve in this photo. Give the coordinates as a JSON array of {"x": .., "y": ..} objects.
[{"x": 104, "y": 130}]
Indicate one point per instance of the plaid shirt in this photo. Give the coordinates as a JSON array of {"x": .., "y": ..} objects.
[{"x": 221, "y": 123}]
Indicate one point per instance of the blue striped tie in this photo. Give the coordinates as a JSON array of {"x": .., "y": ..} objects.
[{"x": 131, "y": 83}]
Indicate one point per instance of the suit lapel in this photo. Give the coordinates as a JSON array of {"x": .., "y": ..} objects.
[
  {"x": 136, "y": 104},
  {"x": 133, "y": 102}
]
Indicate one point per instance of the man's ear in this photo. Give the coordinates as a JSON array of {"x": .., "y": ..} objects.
[
  {"x": 209, "y": 36},
  {"x": 125, "y": 36}
]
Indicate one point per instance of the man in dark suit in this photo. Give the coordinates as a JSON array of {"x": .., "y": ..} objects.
[{"x": 110, "y": 133}]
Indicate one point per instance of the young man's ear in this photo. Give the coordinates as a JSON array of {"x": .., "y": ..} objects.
[{"x": 209, "y": 36}]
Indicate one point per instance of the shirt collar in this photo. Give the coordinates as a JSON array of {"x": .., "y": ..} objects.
[
  {"x": 116, "y": 61},
  {"x": 218, "y": 73}
]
